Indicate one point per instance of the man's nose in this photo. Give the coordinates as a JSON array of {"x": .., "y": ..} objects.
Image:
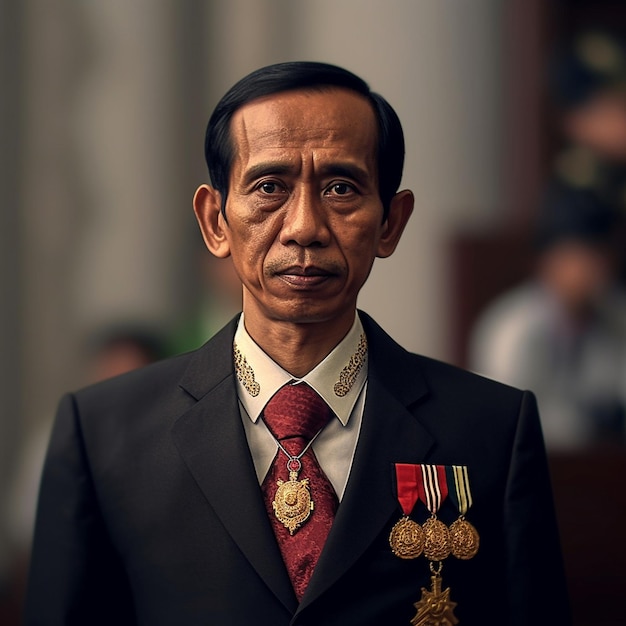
[{"x": 305, "y": 221}]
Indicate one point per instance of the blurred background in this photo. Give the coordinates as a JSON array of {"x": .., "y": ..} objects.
[{"x": 104, "y": 106}]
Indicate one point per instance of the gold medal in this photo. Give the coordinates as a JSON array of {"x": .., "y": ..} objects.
[
  {"x": 435, "y": 607},
  {"x": 292, "y": 503},
  {"x": 433, "y": 492},
  {"x": 436, "y": 540},
  {"x": 406, "y": 538},
  {"x": 464, "y": 539}
]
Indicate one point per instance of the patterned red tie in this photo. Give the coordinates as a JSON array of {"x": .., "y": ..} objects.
[{"x": 295, "y": 415}]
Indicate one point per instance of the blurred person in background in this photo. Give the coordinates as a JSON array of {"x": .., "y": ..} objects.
[
  {"x": 114, "y": 350},
  {"x": 563, "y": 332},
  {"x": 122, "y": 348},
  {"x": 174, "y": 494}
]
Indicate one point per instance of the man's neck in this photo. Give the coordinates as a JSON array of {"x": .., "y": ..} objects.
[{"x": 297, "y": 347}]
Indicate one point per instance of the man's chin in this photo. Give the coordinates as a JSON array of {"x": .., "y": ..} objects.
[{"x": 317, "y": 312}]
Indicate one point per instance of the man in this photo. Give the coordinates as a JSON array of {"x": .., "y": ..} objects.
[
  {"x": 169, "y": 497},
  {"x": 562, "y": 331}
]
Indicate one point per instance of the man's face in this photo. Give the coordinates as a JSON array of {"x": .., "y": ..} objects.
[
  {"x": 578, "y": 273},
  {"x": 303, "y": 209},
  {"x": 600, "y": 124}
]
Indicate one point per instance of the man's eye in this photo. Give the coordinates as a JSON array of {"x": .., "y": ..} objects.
[
  {"x": 341, "y": 189},
  {"x": 268, "y": 187}
]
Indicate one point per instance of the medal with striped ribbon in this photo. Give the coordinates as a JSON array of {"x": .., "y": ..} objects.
[
  {"x": 464, "y": 539},
  {"x": 433, "y": 490},
  {"x": 435, "y": 608}
]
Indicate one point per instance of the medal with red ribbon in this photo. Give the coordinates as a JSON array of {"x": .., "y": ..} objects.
[{"x": 407, "y": 537}]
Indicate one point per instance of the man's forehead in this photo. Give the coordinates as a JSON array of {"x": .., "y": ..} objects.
[
  {"x": 291, "y": 117},
  {"x": 328, "y": 93}
]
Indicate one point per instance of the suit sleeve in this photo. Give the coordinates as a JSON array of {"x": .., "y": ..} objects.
[
  {"x": 535, "y": 563},
  {"x": 75, "y": 575}
]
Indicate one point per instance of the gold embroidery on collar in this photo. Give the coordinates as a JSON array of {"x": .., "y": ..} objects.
[
  {"x": 348, "y": 374},
  {"x": 245, "y": 373}
]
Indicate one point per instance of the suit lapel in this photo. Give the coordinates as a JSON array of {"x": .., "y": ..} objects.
[
  {"x": 390, "y": 433},
  {"x": 211, "y": 439}
]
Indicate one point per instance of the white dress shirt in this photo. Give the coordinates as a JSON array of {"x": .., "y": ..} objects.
[{"x": 335, "y": 446}]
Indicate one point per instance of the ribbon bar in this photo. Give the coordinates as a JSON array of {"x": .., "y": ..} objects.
[
  {"x": 460, "y": 495},
  {"x": 428, "y": 483},
  {"x": 407, "y": 480},
  {"x": 433, "y": 488}
]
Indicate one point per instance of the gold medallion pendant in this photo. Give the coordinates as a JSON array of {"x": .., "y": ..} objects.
[
  {"x": 436, "y": 540},
  {"x": 406, "y": 538},
  {"x": 292, "y": 503},
  {"x": 464, "y": 539}
]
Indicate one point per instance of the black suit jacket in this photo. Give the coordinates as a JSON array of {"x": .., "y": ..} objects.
[{"x": 150, "y": 511}]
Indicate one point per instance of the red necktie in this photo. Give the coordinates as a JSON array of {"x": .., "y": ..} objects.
[{"x": 295, "y": 415}]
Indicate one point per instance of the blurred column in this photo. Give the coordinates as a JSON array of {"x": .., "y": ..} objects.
[
  {"x": 106, "y": 206},
  {"x": 48, "y": 208},
  {"x": 10, "y": 274},
  {"x": 127, "y": 121}
]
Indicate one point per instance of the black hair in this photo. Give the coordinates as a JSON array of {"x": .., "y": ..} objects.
[
  {"x": 290, "y": 76},
  {"x": 149, "y": 341},
  {"x": 572, "y": 213}
]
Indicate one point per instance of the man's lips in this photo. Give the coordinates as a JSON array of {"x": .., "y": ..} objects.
[{"x": 310, "y": 276}]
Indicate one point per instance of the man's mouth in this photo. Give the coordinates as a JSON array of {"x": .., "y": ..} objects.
[{"x": 308, "y": 276}]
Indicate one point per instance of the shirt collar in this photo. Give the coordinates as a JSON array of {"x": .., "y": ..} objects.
[{"x": 339, "y": 378}]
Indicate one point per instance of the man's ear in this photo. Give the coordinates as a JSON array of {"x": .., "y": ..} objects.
[
  {"x": 399, "y": 213},
  {"x": 207, "y": 204}
]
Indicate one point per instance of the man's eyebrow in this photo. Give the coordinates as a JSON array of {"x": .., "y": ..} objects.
[
  {"x": 279, "y": 168},
  {"x": 347, "y": 170},
  {"x": 266, "y": 168}
]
